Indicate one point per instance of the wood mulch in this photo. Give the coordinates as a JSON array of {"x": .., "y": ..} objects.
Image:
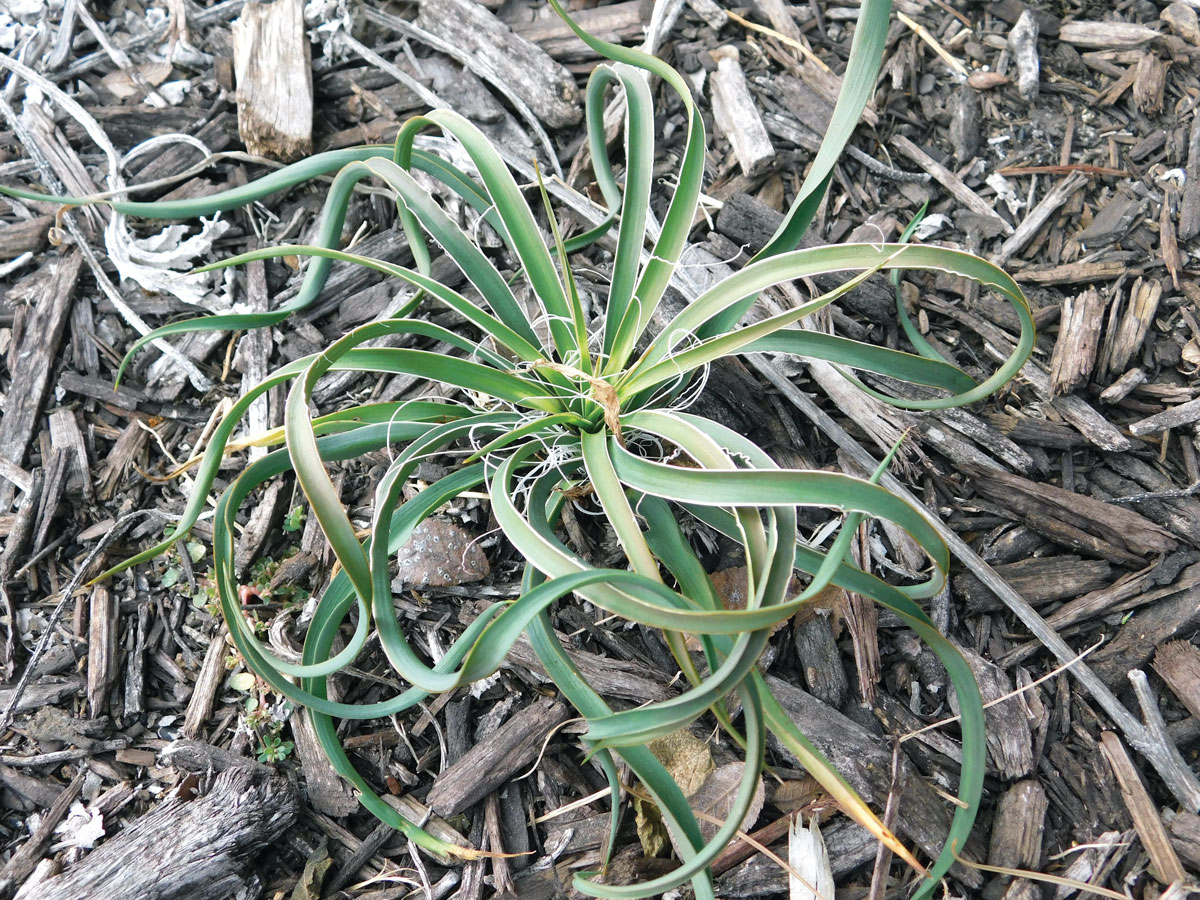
[{"x": 1058, "y": 139}]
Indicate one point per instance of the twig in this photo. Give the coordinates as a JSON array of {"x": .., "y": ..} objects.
[{"x": 805, "y": 51}]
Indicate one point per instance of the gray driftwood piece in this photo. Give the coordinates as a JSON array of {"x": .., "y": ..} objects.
[
  {"x": 507, "y": 751},
  {"x": 273, "y": 62},
  {"x": 527, "y": 70},
  {"x": 186, "y": 849}
]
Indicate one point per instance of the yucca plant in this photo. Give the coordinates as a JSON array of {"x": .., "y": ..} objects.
[{"x": 552, "y": 408}]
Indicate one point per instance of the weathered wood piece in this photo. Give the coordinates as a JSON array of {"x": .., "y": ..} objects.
[
  {"x": 1151, "y": 626},
  {"x": 102, "y": 647},
  {"x": 736, "y": 113},
  {"x": 1183, "y": 414},
  {"x": 273, "y": 63},
  {"x": 1189, "y": 204},
  {"x": 135, "y": 662},
  {"x": 186, "y": 849},
  {"x": 1043, "y": 504},
  {"x": 547, "y": 87},
  {"x": 208, "y": 682},
  {"x": 1009, "y": 741},
  {"x": 21, "y": 864},
  {"x": 490, "y": 763},
  {"x": 28, "y": 236},
  {"x": 849, "y": 847},
  {"x": 327, "y": 792},
  {"x": 1038, "y": 579},
  {"x": 1184, "y": 829},
  {"x": 1178, "y": 662},
  {"x": 1078, "y": 338},
  {"x": 610, "y": 677},
  {"x": 1106, "y": 35},
  {"x": 32, "y": 365},
  {"x": 1123, "y": 386},
  {"x": 821, "y": 661},
  {"x": 1073, "y": 273},
  {"x": 1136, "y": 319},
  {"x": 1018, "y": 826},
  {"x": 1168, "y": 868},
  {"x": 1022, "y": 41},
  {"x": 952, "y": 183},
  {"x": 620, "y": 23}
]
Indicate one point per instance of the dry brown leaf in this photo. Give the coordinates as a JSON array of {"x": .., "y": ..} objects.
[
  {"x": 123, "y": 84},
  {"x": 715, "y": 798}
]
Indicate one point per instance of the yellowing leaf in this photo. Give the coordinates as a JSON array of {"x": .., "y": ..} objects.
[{"x": 651, "y": 830}]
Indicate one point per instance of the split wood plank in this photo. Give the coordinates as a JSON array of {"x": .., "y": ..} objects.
[
  {"x": 1078, "y": 340},
  {"x": 186, "y": 849},
  {"x": 526, "y": 69},
  {"x": 952, "y": 183},
  {"x": 103, "y": 621},
  {"x": 273, "y": 63},
  {"x": 490, "y": 763},
  {"x": 1168, "y": 868},
  {"x": 1008, "y": 737},
  {"x": 736, "y": 113},
  {"x": 1018, "y": 826},
  {"x": 1136, "y": 319},
  {"x": 33, "y": 364}
]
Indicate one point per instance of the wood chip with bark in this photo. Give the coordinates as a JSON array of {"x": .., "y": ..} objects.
[{"x": 273, "y": 63}]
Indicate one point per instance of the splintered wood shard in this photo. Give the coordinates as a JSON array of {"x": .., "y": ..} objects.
[
  {"x": 737, "y": 114},
  {"x": 273, "y": 64}
]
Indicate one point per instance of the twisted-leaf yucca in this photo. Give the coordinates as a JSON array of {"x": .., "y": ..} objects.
[{"x": 584, "y": 408}]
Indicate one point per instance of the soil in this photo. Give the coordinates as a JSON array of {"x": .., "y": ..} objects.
[{"x": 1072, "y": 493}]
